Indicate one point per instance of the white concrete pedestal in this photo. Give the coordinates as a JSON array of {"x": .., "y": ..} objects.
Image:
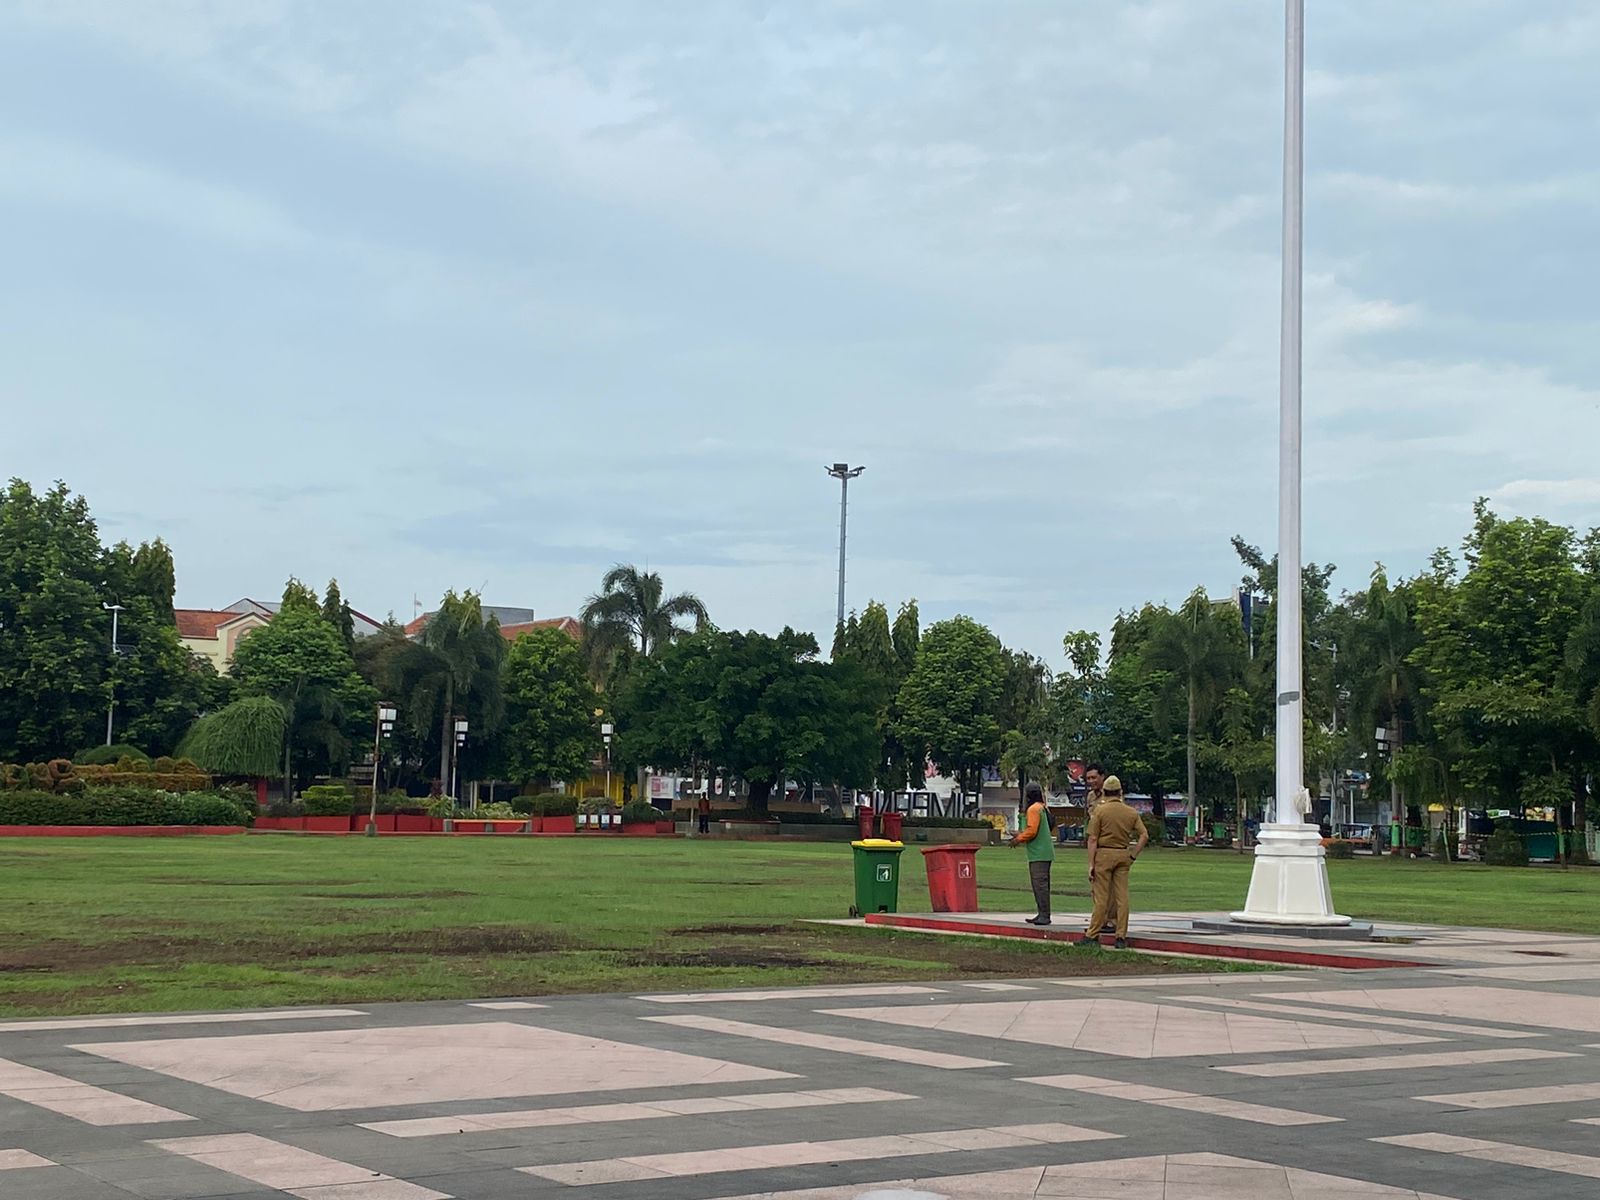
[{"x": 1289, "y": 883}]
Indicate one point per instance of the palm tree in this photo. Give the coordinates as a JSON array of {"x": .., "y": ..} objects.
[
  {"x": 630, "y": 612},
  {"x": 455, "y": 662},
  {"x": 1193, "y": 645},
  {"x": 1388, "y": 688}
]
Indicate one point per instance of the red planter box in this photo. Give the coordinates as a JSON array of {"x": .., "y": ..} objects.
[
  {"x": 414, "y": 823},
  {"x": 499, "y": 826},
  {"x": 326, "y": 824},
  {"x": 558, "y": 824},
  {"x": 665, "y": 826},
  {"x": 535, "y": 824},
  {"x": 638, "y": 829},
  {"x": 385, "y": 822},
  {"x": 280, "y": 823}
]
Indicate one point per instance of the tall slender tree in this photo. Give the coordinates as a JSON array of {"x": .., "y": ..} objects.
[{"x": 631, "y": 611}]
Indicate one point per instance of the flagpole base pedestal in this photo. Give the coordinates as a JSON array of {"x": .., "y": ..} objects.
[{"x": 1289, "y": 882}]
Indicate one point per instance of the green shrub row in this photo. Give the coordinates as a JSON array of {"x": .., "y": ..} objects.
[
  {"x": 64, "y": 777},
  {"x": 548, "y": 804},
  {"x": 121, "y": 806}
]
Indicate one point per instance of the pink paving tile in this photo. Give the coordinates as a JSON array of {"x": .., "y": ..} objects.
[
  {"x": 18, "y": 1160},
  {"x": 300, "y": 1014},
  {"x": 1544, "y": 1010},
  {"x": 815, "y": 993},
  {"x": 788, "y": 1154},
  {"x": 80, "y": 1101},
  {"x": 505, "y": 1005},
  {"x": 367, "y": 1068},
  {"x": 823, "y": 1041},
  {"x": 1307, "y": 1012},
  {"x": 1188, "y": 1101},
  {"x": 1508, "y": 1153},
  {"x": 1518, "y": 1097},
  {"x": 1393, "y": 1062},
  {"x": 1127, "y": 1028},
  {"x": 291, "y": 1169}
]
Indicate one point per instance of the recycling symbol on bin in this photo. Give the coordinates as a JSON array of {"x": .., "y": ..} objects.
[
  {"x": 885, "y": 873},
  {"x": 964, "y": 871}
]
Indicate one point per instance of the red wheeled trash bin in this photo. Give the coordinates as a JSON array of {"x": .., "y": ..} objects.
[
  {"x": 892, "y": 823},
  {"x": 952, "y": 877},
  {"x": 866, "y": 821}
]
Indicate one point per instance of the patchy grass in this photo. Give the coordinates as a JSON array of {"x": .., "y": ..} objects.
[{"x": 91, "y": 925}]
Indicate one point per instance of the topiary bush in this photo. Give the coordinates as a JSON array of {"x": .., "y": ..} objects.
[
  {"x": 121, "y": 806},
  {"x": 1341, "y": 849},
  {"x": 500, "y": 810},
  {"x": 556, "y": 806},
  {"x": 640, "y": 812},
  {"x": 105, "y": 756},
  {"x": 1156, "y": 827},
  {"x": 1505, "y": 848},
  {"x": 327, "y": 800}
]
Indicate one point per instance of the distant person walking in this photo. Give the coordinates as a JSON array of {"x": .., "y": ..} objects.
[
  {"x": 1117, "y": 836},
  {"x": 703, "y": 807},
  {"x": 1035, "y": 835}
]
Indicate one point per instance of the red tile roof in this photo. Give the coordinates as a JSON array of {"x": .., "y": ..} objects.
[{"x": 202, "y": 622}]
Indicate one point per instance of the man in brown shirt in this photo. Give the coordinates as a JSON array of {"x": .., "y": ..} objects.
[
  {"x": 1117, "y": 836},
  {"x": 1095, "y": 776}
]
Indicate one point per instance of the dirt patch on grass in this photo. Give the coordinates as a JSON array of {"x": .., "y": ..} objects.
[
  {"x": 731, "y": 927},
  {"x": 444, "y": 894},
  {"x": 725, "y": 956}
]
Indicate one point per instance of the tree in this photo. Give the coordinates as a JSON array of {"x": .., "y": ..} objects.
[
  {"x": 453, "y": 671},
  {"x": 907, "y": 636},
  {"x": 246, "y": 738},
  {"x": 1494, "y": 648},
  {"x": 950, "y": 703},
  {"x": 55, "y": 639},
  {"x": 337, "y": 613},
  {"x": 632, "y": 610},
  {"x": 300, "y": 661},
  {"x": 1384, "y": 678},
  {"x": 550, "y": 730},
  {"x": 1194, "y": 647}
]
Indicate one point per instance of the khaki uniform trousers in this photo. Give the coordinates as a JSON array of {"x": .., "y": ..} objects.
[{"x": 1110, "y": 892}]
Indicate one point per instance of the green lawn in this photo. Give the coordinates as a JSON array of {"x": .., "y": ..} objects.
[{"x": 89, "y": 925}]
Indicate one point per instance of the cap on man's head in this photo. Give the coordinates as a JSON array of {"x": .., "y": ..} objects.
[{"x": 1112, "y": 786}]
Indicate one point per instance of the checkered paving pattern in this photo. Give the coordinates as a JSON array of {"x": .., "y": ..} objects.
[{"x": 1425, "y": 1082}]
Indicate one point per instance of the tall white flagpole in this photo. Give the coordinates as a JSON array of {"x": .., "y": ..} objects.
[{"x": 1289, "y": 882}]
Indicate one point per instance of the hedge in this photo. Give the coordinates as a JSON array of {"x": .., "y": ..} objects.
[
  {"x": 327, "y": 800},
  {"x": 120, "y": 806},
  {"x": 64, "y": 777}
]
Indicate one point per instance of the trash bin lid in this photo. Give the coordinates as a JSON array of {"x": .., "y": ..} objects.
[
  {"x": 879, "y": 844},
  {"x": 953, "y": 848}
]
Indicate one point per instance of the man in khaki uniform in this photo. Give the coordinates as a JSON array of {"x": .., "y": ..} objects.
[
  {"x": 1117, "y": 836},
  {"x": 1095, "y": 776}
]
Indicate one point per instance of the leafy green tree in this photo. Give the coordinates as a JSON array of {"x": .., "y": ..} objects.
[
  {"x": 632, "y": 611},
  {"x": 246, "y": 738},
  {"x": 1197, "y": 648},
  {"x": 300, "y": 661},
  {"x": 550, "y": 730},
  {"x": 950, "y": 703},
  {"x": 337, "y": 613},
  {"x": 54, "y": 637},
  {"x": 1494, "y": 648},
  {"x": 453, "y": 671}
]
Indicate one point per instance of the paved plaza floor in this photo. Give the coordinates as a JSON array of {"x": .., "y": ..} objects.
[{"x": 1476, "y": 1076}]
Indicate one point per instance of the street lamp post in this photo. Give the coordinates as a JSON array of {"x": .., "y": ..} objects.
[
  {"x": 115, "y": 610},
  {"x": 455, "y": 759},
  {"x": 844, "y": 473},
  {"x": 606, "y": 730},
  {"x": 382, "y": 729},
  {"x": 1289, "y": 881}
]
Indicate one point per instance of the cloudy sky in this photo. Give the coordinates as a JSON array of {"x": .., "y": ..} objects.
[{"x": 494, "y": 295}]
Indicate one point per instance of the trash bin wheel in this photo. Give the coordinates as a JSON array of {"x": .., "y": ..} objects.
[{"x": 854, "y": 912}]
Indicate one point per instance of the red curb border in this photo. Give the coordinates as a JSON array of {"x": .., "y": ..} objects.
[
  {"x": 1302, "y": 958},
  {"x": 117, "y": 830}
]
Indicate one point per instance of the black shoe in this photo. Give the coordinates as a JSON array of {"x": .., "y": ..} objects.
[
  {"x": 1120, "y": 944},
  {"x": 1041, "y": 920}
]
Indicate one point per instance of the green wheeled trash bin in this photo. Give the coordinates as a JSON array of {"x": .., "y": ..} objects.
[{"x": 877, "y": 871}]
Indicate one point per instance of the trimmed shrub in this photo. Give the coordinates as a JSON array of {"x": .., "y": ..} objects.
[
  {"x": 1505, "y": 848},
  {"x": 500, "y": 810},
  {"x": 946, "y": 823},
  {"x": 556, "y": 806},
  {"x": 1341, "y": 848},
  {"x": 1155, "y": 827},
  {"x": 816, "y": 818},
  {"x": 639, "y": 812},
  {"x": 327, "y": 800},
  {"x": 121, "y": 806},
  {"x": 105, "y": 756}
]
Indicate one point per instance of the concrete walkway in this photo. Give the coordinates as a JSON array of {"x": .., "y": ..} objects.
[{"x": 1475, "y": 1079}]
